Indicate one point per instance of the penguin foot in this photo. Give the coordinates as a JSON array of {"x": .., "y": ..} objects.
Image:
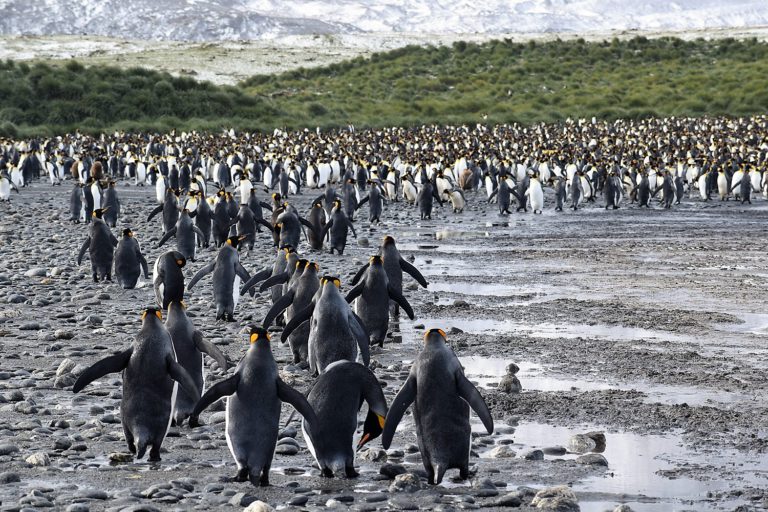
[
  {"x": 326, "y": 473},
  {"x": 351, "y": 473},
  {"x": 241, "y": 476}
]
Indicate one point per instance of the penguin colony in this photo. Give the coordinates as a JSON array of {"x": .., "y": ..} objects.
[{"x": 233, "y": 192}]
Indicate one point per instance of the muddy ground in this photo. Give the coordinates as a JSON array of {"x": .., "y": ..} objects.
[{"x": 646, "y": 325}]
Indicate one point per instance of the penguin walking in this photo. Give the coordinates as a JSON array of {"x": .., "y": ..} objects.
[
  {"x": 350, "y": 198},
  {"x": 222, "y": 221},
  {"x": 100, "y": 245},
  {"x": 245, "y": 226},
  {"x": 189, "y": 345},
  {"x": 612, "y": 193},
  {"x": 170, "y": 209},
  {"x": 425, "y": 200},
  {"x": 129, "y": 262},
  {"x": 335, "y": 331},
  {"x": 644, "y": 191},
  {"x": 88, "y": 204},
  {"x": 722, "y": 186},
  {"x": 111, "y": 204},
  {"x": 151, "y": 377},
  {"x": 336, "y": 398},
  {"x": 188, "y": 236},
  {"x": 297, "y": 297},
  {"x": 168, "y": 278},
  {"x": 255, "y": 394},
  {"x": 227, "y": 273},
  {"x": 316, "y": 218},
  {"x": 395, "y": 265},
  {"x": 442, "y": 396},
  {"x": 745, "y": 189},
  {"x": 371, "y": 298},
  {"x": 560, "y": 194},
  {"x": 503, "y": 195},
  {"x": 337, "y": 229},
  {"x": 375, "y": 200},
  {"x": 577, "y": 191}
]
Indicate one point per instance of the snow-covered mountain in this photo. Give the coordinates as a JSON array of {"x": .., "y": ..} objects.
[{"x": 208, "y": 20}]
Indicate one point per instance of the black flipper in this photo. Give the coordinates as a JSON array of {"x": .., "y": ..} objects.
[
  {"x": 298, "y": 319},
  {"x": 276, "y": 279},
  {"x": 278, "y": 307},
  {"x": 360, "y": 331},
  {"x": 326, "y": 228},
  {"x": 265, "y": 205},
  {"x": 398, "y": 297},
  {"x": 220, "y": 389},
  {"x": 360, "y": 273},
  {"x": 265, "y": 224},
  {"x": 351, "y": 227},
  {"x": 168, "y": 234},
  {"x": 258, "y": 277},
  {"x": 413, "y": 272},
  {"x": 111, "y": 364},
  {"x": 355, "y": 292},
  {"x": 240, "y": 271},
  {"x": 209, "y": 348},
  {"x": 362, "y": 202},
  {"x": 84, "y": 248},
  {"x": 201, "y": 274},
  {"x": 200, "y": 235},
  {"x": 404, "y": 398},
  {"x": 289, "y": 395},
  {"x": 154, "y": 212},
  {"x": 472, "y": 396},
  {"x": 180, "y": 375},
  {"x": 144, "y": 265}
]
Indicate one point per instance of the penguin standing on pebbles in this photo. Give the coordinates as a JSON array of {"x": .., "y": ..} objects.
[
  {"x": 442, "y": 396},
  {"x": 338, "y": 228},
  {"x": 129, "y": 262},
  {"x": 255, "y": 393},
  {"x": 189, "y": 346},
  {"x": 111, "y": 204},
  {"x": 150, "y": 377},
  {"x": 336, "y": 398},
  {"x": 372, "y": 296},
  {"x": 335, "y": 331},
  {"x": 6, "y": 185},
  {"x": 168, "y": 278},
  {"x": 100, "y": 245},
  {"x": 227, "y": 273}
]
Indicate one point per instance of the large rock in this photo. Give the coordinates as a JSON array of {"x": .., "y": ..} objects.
[
  {"x": 502, "y": 452},
  {"x": 39, "y": 459},
  {"x": 557, "y": 499},
  {"x": 581, "y": 443},
  {"x": 407, "y": 482},
  {"x": 592, "y": 459}
]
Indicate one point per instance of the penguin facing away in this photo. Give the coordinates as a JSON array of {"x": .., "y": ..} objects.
[
  {"x": 336, "y": 398},
  {"x": 189, "y": 345},
  {"x": 168, "y": 278},
  {"x": 129, "y": 262},
  {"x": 255, "y": 393},
  {"x": 442, "y": 396},
  {"x": 100, "y": 245},
  {"x": 151, "y": 377}
]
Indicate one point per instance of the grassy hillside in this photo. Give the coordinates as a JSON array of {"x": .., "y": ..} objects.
[
  {"x": 528, "y": 82},
  {"x": 462, "y": 83},
  {"x": 47, "y": 99}
]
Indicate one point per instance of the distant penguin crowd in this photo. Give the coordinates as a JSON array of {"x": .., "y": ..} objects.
[{"x": 232, "y": 191}]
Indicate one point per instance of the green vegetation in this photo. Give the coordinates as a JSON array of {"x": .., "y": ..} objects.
[
  {"x": 508, "y": 82},
  {"x": 43, "y": 99}
]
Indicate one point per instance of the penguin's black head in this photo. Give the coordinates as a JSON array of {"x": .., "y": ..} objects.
[
  {"x": 127, "y": 232},
  {"x": 337, "y": 203},
  {"x": 220, "y": 193},
  {"x": 373, "y": 427},
  {"x": 99, "y": 212},
  {"x": 435, "y": 334},
  {"x": 301, "y": 264},
  {"x": 375, "y": 260},
  {"x": 331, "y": 279},
  {"x": 388, "y": 240},
  {"x": 150, "y": 312},
  {"x": 258, "y": 333},
  {"x": 276, "y": 196}
]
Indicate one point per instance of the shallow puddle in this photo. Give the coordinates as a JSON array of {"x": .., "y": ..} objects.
[{"x": 488, "y": 371}]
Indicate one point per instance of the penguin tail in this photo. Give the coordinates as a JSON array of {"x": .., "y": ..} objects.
[{"x": 141, "y": 448}]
